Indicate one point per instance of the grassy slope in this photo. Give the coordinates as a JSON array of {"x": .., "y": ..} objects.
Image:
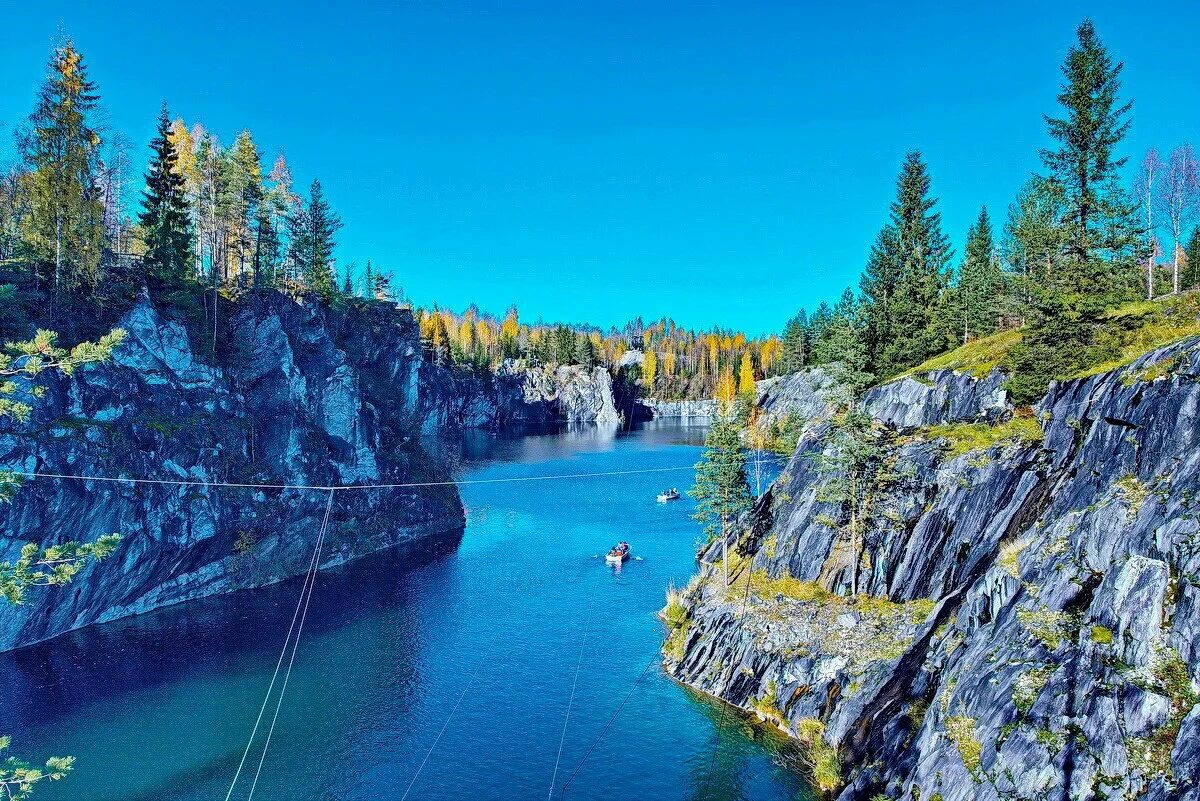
[{"x": 1124, "y": 334}]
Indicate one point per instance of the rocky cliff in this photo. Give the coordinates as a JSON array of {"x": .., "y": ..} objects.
[
  {"x": 700, "y": 411},
  {"x": 516, "y": 397},
  {"x": 1026, "y": 618},
  {"x": 295, "y": 395}
]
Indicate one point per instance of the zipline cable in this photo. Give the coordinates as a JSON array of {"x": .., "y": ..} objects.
[
  {"x": 571, "y": 703},
  {"x": 604, "y": 730},
  {"x": 295, "y": 646},
  {"x": 341, "y": 487},
  {"x": 450, "y": 717},
  {"x": 278, "y": 666}
]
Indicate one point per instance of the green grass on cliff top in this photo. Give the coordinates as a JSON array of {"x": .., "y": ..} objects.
[
  {"x": 978, "y": 357},
  {"x": 1124, "y": 334}
]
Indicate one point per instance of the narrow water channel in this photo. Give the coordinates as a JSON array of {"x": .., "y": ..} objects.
[{"x": 158, "y": 708}]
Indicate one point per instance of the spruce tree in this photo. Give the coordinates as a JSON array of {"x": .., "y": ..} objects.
[
  {"x": 313, "y": 227},
  {"x": 63, "y": 233},
  {"x": 1097, "y": 224},
  {"x": 1189, "y": 277},
  {"x": 841, "y": 342},
  {"x": 878, "y": 286},
  {"x": 794, "y": 353},
  {"x": 165, "y": 221},
  {"x": 924, "y": 252},
  {"x": 979, "y": 282},
  {"x": 1102, "y": 234},
  {"x": 586, "y": 353},
  {"x": 722, "y": 489}
]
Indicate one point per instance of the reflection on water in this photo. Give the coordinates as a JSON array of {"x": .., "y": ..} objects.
[{"x": 159, "y": 707}]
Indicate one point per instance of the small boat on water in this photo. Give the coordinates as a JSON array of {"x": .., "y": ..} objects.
[
  {"x": 617, "y": 554},
  {"x": 668, "y": 495}
]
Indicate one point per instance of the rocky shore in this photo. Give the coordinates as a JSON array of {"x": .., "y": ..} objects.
[{"x": 1025, "y": 624}]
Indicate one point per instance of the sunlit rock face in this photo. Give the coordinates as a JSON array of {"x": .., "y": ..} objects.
[
  {"x": 1026, "y": 625},
  {"x": 294, "y": 394}
]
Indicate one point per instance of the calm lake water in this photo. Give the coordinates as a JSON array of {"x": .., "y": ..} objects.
[{"x": 158, "y": 708}]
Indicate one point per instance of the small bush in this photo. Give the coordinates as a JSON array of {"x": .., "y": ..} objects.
[
  {"x": 1010, "y": 556},
  {"x": 822, "y": 759},
  {"x": 961, "y": 731},
  {"x": 1102, "y": 635},
  {"x": 1132, "y": 491},
  {"x": 1028, "y": 686},
  {"x": 1047, "y": 626}
]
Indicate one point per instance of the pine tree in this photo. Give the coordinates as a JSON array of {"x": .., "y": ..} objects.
[
  {"x": 795, "y": 344},
  {"x": 979, "y": 282},
  {"x": 165, "y": 219},
  {"x": 586, "y": 353},
  {"x": 63, "y": 232},
  {"x": 878, "y": 285},
  {"x": 1035, "y": 240},
  {"x": 921, "y": 254},
  {"x": 841, "y": 342},
  {"x": 1102, "y": 233},
  {"x": 722, "y": 489},
  {"x": 241, "y": 197},
  {"x": 369, "y": 283},
  {"x": 1097, "y": 223},
  {"x": 348, "y": 281},
  {"x": 1189, "y": 277},
  {"x": 383, "y": 288},
  {"x": 313, "y": 229}
]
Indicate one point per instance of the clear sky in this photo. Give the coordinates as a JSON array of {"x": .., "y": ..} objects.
[{"x": 720, "y": 163}]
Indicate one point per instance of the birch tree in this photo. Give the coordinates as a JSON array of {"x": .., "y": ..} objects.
[{"x": 1180, "y": 198}]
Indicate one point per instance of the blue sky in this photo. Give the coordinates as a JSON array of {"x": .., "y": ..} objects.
[{"x": 720, "y": 163}]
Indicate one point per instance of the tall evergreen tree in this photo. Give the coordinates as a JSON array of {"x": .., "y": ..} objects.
[
  {"x": 1102, "y": 233},
  {"x": 979, "y": 282},
  {"x": 313, "y": 227},
  {"x": 924, "y": 253},
  {"x": 369, "y": 282},
  {"x": 165, "y": 220},
  {"x": 1189, "y": 277},
  {"x": 1097, "y": 224},
  {"x": 795, "y": 344},
  {"x": 63, "y": 232},
  {"x": 722, "y": 489},
  {"x": 878, "y": 286},
  {"x": 241, "y": 199},
  {"x": 906, "y": 276},
  {"x": 841, "y": 342}
]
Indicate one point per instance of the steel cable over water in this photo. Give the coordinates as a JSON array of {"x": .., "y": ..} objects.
[
  {"x": 340, "y": 487},
  {"x": 297, "y": 615},
  {"x": 562, "y": 741}
]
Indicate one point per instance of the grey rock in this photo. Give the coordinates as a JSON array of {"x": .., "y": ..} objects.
[
  {"x": 1056, "y": 576},
  {"x": 299, "y": 395}
]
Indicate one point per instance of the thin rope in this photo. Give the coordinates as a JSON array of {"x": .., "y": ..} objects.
[
  {"x": 327, "y": 487},
  {"x": 446, "y": 724},
  {"x": 278, "y": 665},
  {"x": 295, "y": 647},
  {"x": 574, "y": 684},
  {"x": 604, "y": 730}
]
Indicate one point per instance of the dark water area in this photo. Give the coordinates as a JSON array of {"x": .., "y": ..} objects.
[{"x": 159, "y": 707}]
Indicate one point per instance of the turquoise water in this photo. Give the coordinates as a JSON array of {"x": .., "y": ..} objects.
[{"x": 158, "y": 708}]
